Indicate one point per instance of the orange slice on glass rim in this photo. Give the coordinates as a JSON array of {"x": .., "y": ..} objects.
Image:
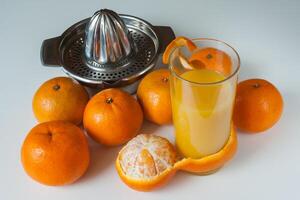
[{"x": 148, "y": 162}]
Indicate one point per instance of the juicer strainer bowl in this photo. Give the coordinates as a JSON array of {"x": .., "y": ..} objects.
[{"x": 68, "y": 50}]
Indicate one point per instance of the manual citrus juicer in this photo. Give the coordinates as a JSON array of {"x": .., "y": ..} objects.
[{"x": 107, "y": 50}]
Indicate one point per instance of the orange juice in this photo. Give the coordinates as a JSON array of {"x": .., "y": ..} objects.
[{"x": 202, "y": 111}]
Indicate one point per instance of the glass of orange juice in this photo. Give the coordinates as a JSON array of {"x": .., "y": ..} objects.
[{"x": 203, "y": 86}]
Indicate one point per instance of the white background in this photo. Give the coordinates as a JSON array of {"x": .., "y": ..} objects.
[{"x": 265, "y": 33}]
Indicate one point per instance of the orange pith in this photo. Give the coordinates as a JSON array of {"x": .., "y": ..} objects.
[
  {"x": 186, "y": 64},
  {"x": 145, "y": 185},
  {"x": 146, "y": 162}
]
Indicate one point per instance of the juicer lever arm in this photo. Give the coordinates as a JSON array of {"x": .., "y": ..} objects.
[
  {"x": 50, "y": 52},
  {"x": 165, "y": 35}
]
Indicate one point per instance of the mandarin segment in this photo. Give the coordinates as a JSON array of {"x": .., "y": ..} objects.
[{"x": 146, "y": 164}]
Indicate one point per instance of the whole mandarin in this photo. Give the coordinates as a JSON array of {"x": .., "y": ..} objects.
[{"x": 258, "y": 105}]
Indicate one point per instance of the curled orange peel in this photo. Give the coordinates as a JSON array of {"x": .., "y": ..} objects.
[{"x": 177, "y": 42}]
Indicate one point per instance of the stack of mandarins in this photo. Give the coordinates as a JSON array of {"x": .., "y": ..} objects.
[{"x": 56, "y": 151}]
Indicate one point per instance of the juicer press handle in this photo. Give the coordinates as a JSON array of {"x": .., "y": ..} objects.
[
  {"x": 165, "y": 35},
  {"x": 50, "y": 52}
]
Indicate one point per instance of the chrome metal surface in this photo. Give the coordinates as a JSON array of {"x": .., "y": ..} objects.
[
  {"x": 126, "y": 53},
  {"x": 126, "y": 70},
  {"x": 107, "y": 39}
]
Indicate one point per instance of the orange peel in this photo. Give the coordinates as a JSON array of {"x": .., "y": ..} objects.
[
  {"x": 177, "y": 42},
  {"x": 209, "y": 58},
  {"x": 147, "y": 184},
  {"x": 146, "y": 162},
  {"x": 203, "y": 166},
  {"x": 212, "y": 162},
  {"x": 194, "y": 64}
]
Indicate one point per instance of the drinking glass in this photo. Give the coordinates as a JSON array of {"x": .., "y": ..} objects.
[{"x": 203, "y": 95}]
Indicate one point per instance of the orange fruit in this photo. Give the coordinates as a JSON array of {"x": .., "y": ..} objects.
[
  {"x": 258, "y": 105},
  {"x": 112, "y": 117},
  {"x": 55, "y": 153},
  {"x": 177, "y": 42},
  {"x": 146, "y": 162},
  {"x": 60, "y": 98},
  {"x": 211, "y": 163},
  {"x": 154, "y": 96},
  {"x": 213, "y": 59}
]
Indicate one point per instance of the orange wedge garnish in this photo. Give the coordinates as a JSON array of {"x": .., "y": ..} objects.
[{"x": 177, "y": 42}]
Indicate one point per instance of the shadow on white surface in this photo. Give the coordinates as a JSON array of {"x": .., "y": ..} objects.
[
  {"x": 148, "y": 127},
  {"x": 250, "y": 147},
  {"x": 102, "y": 158},
  {"x": 180, "y": 179}
]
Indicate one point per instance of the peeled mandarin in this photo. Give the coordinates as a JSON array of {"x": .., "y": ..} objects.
[{"x": 146, "y": 162}]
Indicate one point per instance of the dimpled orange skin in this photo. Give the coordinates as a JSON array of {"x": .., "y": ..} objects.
[
  {"x": 258, "y": 105},
  {"x": 154, "y": 96},
  {"x": 112, "y": 117},
  {"x": 55, "y": 153},
  {"x": 213, "y": 59},
  {"x": 60, "y": 98}
]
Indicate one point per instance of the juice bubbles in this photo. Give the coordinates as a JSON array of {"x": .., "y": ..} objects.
[
  {"x": 203, "y": 95},
  {"x": 201, "y": 114}
]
